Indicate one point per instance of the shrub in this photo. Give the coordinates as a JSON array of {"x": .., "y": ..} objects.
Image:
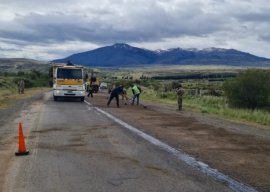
[
  {"x": 250, "y": 89},
  {"x": 20, "y": 73},
  {"x": 175, "y": 84}
]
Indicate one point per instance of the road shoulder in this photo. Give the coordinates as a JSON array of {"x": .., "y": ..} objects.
[{"x": 238, "y": 150}]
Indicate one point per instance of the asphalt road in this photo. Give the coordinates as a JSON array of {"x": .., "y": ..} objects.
[{"x": 75, "y": 147}]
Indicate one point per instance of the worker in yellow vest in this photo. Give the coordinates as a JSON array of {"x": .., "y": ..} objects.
[{"x": 136, "y": 94}]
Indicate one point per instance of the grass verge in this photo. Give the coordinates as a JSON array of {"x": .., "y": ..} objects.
[
  {"x": 210, "y": 105},
  {"x": 9, "y": 97}
]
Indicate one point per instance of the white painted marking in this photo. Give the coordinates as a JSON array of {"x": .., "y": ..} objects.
[
  {"x": 88, "y": 108},
  {"x": 204, "y": 168}
]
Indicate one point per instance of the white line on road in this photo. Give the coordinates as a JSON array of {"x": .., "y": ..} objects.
[{"x": 204, "y": 168}]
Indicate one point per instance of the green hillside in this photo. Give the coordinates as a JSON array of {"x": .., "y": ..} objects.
[{"x": 13, "y": 65}]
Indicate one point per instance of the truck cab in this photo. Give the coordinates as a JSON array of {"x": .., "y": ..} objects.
[
  {"x": 92, "y": 77},
  {"x": 68, "y": 82}
]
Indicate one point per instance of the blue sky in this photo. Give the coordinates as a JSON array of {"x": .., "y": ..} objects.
[{"x": 53, "y": 29}]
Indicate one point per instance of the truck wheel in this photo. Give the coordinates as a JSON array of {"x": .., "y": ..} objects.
[
  {"x": 54, "y": 98},
  {"x": 82, "y": 99}
]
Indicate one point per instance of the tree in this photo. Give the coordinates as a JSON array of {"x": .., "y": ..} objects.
[
  {"x": 250, "y": 89},
  {"x": 175, "y": 84},
  {"x": 33, "y": 75},
  {"x": 20, "y": 73},
  {"x": 6, "y": 74},
  {"x": 51, "y": 71},
  {"x": 138, "y": 82}
]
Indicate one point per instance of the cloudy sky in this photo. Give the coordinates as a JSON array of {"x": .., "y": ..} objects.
[{"x": 53, "y": 29}]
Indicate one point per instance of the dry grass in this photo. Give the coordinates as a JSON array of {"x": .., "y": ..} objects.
[{"x": 10, "y": 99}]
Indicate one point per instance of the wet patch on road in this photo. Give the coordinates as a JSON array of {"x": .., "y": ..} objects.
[
  {"x": 103, "y": 136},
  {"x": 49, "y": 130},
  {"x": 156, "y": 169},
  {"x": 76, "y": 139},
  {"x": 121, "y": 177}
]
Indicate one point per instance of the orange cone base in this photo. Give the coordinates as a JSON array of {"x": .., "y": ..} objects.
[{"x": 21, "y": 153}]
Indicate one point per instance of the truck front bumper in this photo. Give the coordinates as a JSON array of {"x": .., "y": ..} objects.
[{"x": 68, "y": 93}]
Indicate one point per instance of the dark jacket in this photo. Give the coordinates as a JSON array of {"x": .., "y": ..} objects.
[{"x": 117, "y": 91}]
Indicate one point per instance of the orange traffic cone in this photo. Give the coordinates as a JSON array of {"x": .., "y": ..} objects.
[{"x": 22, "y": 148}]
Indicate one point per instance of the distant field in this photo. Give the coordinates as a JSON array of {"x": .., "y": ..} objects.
[{"x": 159, "y": 70}]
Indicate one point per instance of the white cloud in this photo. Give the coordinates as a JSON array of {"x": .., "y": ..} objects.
[{"x": 63, "y": 27}]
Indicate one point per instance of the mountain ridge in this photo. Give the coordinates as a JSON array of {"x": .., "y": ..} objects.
[
  {"x": 22, "y": 64},
  {"x": 124, "y": 55}
]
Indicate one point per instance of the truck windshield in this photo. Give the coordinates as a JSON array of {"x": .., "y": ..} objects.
[{"x": 69, "y": 73}]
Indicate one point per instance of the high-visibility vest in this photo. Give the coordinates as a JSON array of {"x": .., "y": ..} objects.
[{"x": 136, "y": 90}]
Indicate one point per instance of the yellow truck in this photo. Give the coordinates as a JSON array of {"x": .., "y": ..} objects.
[
  {"x": 68, "y": 82},
  {"x": 92, "y": 77}
]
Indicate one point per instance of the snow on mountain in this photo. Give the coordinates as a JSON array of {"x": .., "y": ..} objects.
[{"x": 121, "y": 55}]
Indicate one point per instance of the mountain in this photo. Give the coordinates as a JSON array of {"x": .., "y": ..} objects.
[
  {"x": 124, "y": 55},
  {"x": 115, "y": 55}
]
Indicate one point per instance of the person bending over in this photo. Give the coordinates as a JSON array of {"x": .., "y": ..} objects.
[{"x": 115, "y": 94}]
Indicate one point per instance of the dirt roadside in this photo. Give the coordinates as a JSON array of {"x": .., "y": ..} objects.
[
  {"x": 11, "y": 107},
  {"x": 237, "y": 150}
]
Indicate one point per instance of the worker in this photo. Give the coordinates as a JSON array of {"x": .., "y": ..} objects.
[
  {"x": 20, "y": 86},
  {"x": 69, "y": 63},
  {"x": 180, "y": 92},
  {"x": 115, "y": 94},
  {"x": 124, "y": 95},
  {"x": 136, "y": 94},
  {"x": 90, "y": 90}
]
